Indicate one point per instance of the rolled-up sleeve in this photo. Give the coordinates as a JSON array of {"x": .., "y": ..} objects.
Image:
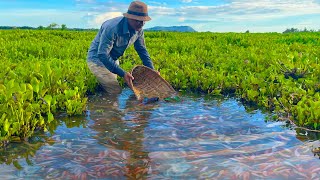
[
  {"x": 141, "y": 49},
  {"x": 106, "y": 43}
]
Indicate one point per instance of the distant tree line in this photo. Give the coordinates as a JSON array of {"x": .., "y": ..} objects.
[
  {"x": 54, "y": 26},
  {"x": 295, "y": 30},
  {"x": 64, "y": 27},
  {"x": 49, "y": 27}
]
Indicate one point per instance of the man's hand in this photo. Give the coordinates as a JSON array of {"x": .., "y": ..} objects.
[{"x": 128, "y": 78}]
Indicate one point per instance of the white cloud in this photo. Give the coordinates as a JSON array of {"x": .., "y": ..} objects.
[
  {"x": 252, "y": 10},
  {"x": 157, "y": 3},
  {"x": 161, "y": 10},
  {"x": 241, "y": 15},
  {"x": 181, "y": 19},
  {"x": 276, "y": 8},
  {"x": 233, "y": 15},
  {"x": 98, "y": 20}
]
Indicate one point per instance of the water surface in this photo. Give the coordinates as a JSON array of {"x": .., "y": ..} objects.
[{"x": 197, "y": 138}]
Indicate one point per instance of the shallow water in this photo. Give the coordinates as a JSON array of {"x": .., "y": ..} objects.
[{"x": 197, "y": 138}]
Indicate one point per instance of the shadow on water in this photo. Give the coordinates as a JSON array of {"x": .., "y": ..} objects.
[{"x": 199, "y": 138}]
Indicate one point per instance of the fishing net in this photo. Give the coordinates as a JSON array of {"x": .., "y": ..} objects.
[{"x": 148, "y": 83}]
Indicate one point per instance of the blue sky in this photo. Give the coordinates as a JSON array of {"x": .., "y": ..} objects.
[{"x": 202, "y": 15}]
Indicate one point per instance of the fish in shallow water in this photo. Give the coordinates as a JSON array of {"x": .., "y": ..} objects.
[{"x": 150, "y": 100}]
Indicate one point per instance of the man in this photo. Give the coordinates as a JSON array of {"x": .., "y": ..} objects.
[{"x": 113, "y": 38}]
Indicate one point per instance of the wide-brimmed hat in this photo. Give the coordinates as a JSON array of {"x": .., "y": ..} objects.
[{"x": 138, "y": 11}]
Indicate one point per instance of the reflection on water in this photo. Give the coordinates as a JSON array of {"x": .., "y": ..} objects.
[{"x": 198, "y": 138}]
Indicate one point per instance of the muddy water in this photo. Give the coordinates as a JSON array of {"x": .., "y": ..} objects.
[{"x": 197, "y": 138}]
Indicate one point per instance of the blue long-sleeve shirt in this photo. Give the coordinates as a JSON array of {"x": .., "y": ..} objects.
[{"x": 113, "y": 38}]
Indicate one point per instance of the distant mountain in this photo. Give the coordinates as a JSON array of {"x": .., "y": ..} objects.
[{"x": 172, "y": 28}]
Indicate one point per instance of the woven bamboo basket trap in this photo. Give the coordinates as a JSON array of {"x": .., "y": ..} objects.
[{"x": 148, "y": 83}]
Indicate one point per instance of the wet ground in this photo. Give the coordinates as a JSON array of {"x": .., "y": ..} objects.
[{"x": 195, "y": 138}]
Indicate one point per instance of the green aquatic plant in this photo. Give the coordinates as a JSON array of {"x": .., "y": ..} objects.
[
  {"x": 34, "y": 81},
  {"x": 45, "y": 72},
  {"x": 273, "y": 71}
]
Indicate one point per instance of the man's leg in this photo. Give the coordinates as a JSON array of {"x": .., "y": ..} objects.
[{"x": 107, "y": 79}]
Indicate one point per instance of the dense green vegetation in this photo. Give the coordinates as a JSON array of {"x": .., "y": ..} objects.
[{"x": 44, "y": 72}]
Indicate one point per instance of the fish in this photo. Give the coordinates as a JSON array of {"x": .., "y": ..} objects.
[{"x": 149, "y": 100}]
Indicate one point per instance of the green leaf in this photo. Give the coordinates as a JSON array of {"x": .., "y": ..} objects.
[
  {"x": 10, "y": 84},
  {"x": 29, "y": 95},
  {"x": 16, "y": 126},
  {"x": 41, "y": 121},
  {"x": 48, "y": 99},
  {"x": 3, "y": 116},
  {"x": 35, "y": 84},
  {"x": 29, "y": 86},
  {"x": 23, "y": 87},
  {"x": 315, "y": 125},
  {"x": 36, "y": 108},
  {"x": 50, "y": 117},
  {"x": 6, "y": 125},
  {"x": 17, "y": 165}
]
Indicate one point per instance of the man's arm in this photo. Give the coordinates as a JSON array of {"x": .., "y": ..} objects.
[
  {"x": 105, "y": 46},
  {"x": 141, "y": 49}
]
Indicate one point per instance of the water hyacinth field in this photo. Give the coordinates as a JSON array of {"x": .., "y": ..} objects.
[{"x": 248, "y": 109}]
